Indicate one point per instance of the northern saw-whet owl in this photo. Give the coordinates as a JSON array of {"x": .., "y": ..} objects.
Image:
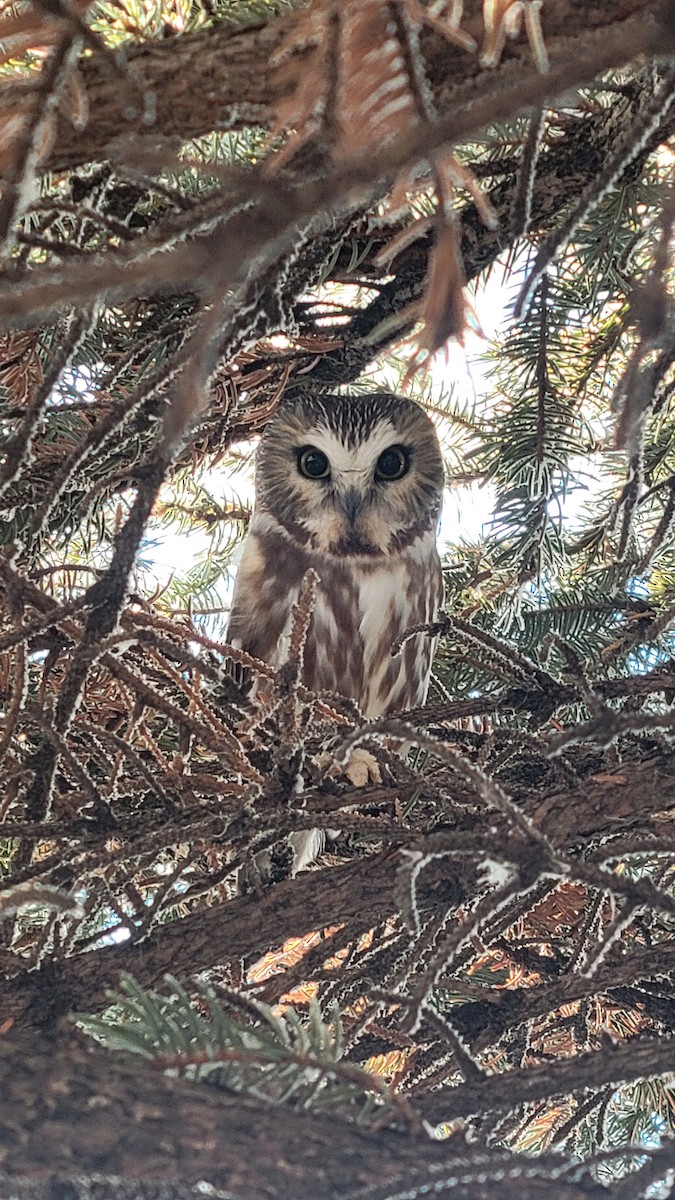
[{"x": 350, "y": 486}]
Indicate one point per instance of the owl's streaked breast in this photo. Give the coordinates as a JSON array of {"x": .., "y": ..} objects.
[{"x": 363, "y": 605}]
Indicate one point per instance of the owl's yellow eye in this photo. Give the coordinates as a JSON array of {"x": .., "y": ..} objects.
[
  {"x": 393, "y": 463},
  {"x": 313, "y": 464}
]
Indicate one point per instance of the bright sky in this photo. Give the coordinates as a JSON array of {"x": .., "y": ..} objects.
[{"x": 467, "y": 508}]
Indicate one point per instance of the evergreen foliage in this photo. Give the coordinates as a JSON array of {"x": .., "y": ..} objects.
[
  {"x": 278, "y": 1057},
  {"x": 203, "y": 207}
]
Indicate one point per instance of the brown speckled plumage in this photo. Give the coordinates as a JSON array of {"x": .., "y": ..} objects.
[{"x": 371, "y": 542}]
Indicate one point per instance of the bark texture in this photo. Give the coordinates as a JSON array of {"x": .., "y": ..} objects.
[
  {"x": 67, "y": 1109},
  {"x": 217, "y": 79},
  {"x": 636, "y": 798}
]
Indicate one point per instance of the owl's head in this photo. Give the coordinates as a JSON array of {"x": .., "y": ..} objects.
[{"x": 351, "y": 475}]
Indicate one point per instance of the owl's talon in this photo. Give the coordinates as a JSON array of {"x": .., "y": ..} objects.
[{"x": 362, "y": 768}]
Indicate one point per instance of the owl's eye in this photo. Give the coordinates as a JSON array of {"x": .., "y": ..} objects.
[
  {"x": 393, "y": 463},
  {"x": 312, "y": 463}
]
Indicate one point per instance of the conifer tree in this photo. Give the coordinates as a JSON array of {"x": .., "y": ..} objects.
[{"x": 205, "y": 205}]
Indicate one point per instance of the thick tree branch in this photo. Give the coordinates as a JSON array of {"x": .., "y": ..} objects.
[
  {"x": 217, "y": 79},
  {"x": 361, "y": 893},
  {"x": 567, "y": 167},
  {"x": 632, "y": 1060},
  {"x": 71, "y": 1111}
]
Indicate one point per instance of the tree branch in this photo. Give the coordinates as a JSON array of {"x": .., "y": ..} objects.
[
  {"x": 619, "y": 1064},
  {"x": 361, "y": 893},
  {"x": 217, "y": 79},
  {"x": 69, "y": 1111}
]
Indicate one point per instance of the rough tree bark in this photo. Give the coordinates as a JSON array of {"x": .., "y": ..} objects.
[
  {"x": 217, "y": 79},
  {"x": 637, "y": 796},
  {"x": 69, "y": 1107}
]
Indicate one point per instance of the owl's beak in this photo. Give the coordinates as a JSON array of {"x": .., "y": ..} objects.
[{"x": 352, "y": 503}]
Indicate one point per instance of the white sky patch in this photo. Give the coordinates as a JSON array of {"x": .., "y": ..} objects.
[
  {"x": 458, "y": 372},
  {"x": 74, "y": 385},
  {"x": 171, "y": 552},
  {"x": 467, "y": 508},
  {"x": 466, "y": 511}
]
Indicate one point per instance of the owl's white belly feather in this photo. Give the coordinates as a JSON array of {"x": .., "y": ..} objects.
[{"x": 363, "y": 605}]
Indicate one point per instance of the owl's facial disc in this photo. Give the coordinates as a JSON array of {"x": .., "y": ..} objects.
[
  {"x": 356, "y": 477},
  {"x": 349, "y": 490},
  {"x": 351, "y": 486}
]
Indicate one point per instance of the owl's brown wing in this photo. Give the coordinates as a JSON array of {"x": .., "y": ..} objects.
[
  {"x": 425, "y": 599},
  {"x": 265, "y": 590}
]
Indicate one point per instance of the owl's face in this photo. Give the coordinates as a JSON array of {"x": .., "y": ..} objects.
[{"x": 351, "y": 475}]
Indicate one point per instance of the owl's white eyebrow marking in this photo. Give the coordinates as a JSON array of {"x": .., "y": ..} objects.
[{"x": 346, "y": 459}]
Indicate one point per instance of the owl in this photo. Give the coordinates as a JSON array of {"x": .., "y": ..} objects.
[{"x": 351, "y": 486}]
